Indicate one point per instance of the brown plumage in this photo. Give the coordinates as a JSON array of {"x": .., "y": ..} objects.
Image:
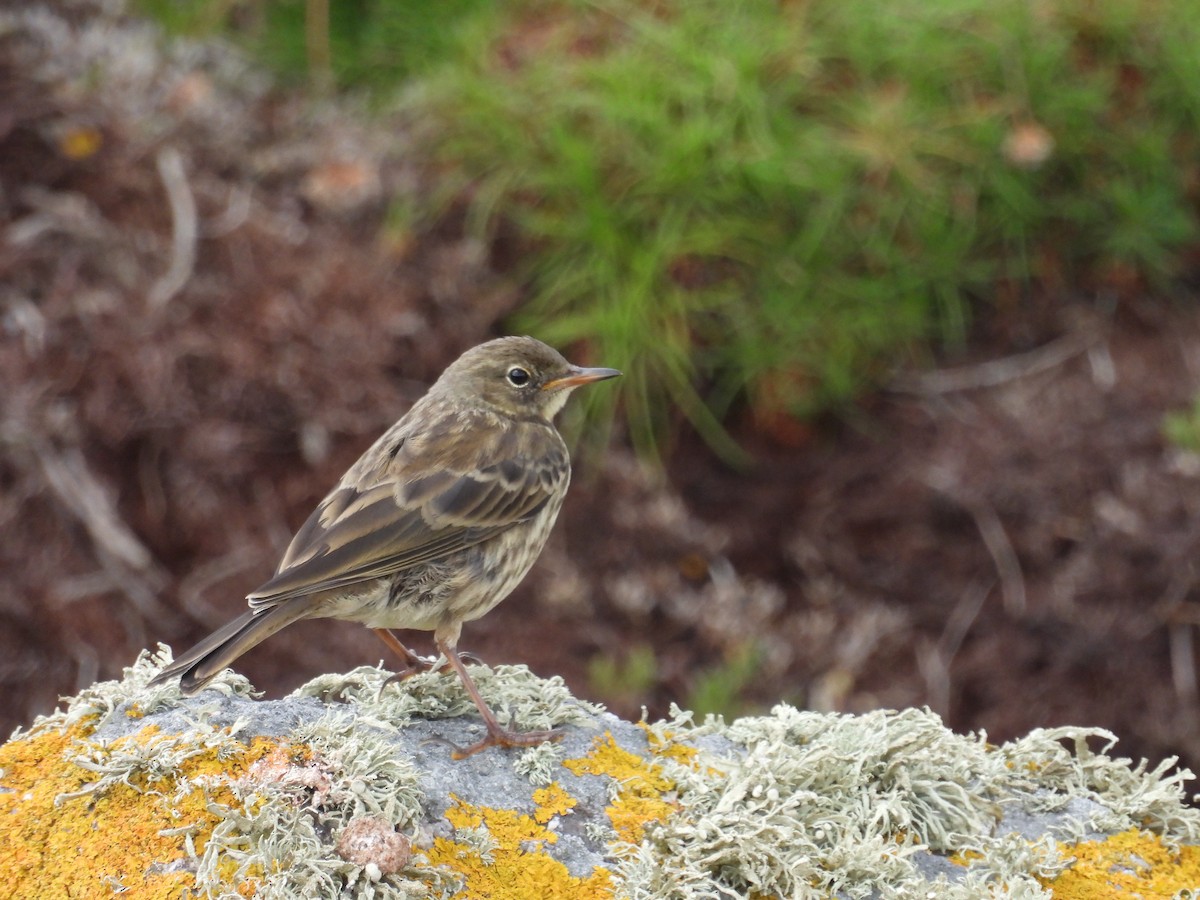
[{"x": 434, "y": 525}]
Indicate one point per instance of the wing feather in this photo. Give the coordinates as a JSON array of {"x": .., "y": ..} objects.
[{"x": 418, "y": 509}]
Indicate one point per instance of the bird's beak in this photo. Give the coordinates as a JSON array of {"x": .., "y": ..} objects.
[{"x": 578, "y": 375}]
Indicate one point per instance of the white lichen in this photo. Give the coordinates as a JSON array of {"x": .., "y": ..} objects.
[{"x": 793, "y": 804}]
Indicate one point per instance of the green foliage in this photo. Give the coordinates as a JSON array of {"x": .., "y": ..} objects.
[
  {"x": 774, "y": 201},
  {"x": 368, "y": 43},
  {"x": 720, "y": 689},
  {"x": 626, "y": 678},
  {"x": 746, "y": 200},
  {"x": 1182, "y": 429}
]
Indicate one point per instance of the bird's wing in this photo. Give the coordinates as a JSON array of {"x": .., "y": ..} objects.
[{"x": 417, "y": 510}]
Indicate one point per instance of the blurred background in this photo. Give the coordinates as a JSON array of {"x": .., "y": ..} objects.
[{"x": 905, "y": 295}]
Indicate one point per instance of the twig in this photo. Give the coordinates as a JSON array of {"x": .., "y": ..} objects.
[
  {"x": 81, "y": 492},
  {"x": 997, "y": 371},
  {"x": 995, "y": 538},
  {"x": 125, "y": 558},
  {"x": 1171, "y": 608},
  {"x": 184, "y": 228},
  {"x": 1183, "y": 662},
  {"x": 235, "y": 214},
  {"x": 965, "y": 612},
  {"x": 193, "y": 588},
  {"x": 934, "y": 664}
]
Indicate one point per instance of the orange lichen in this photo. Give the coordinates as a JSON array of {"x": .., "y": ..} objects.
[
  {"x": 103, "y": 842},
  {"x": 965, "y": 857},
  {"x": 517, "y": 865},
  {"x": 1129, "y": 864},
  {"x": 642, "y": 787},
  {"x": 80, "y": 142},
  {"x": 669, "y": 747},
  {"x": 552, "y": 801}
]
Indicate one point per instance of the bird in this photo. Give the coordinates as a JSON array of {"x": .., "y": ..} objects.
[{"x": 435, "y": 524}]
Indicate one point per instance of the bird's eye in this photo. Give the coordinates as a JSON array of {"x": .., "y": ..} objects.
[{"x": 518, "y": 377}]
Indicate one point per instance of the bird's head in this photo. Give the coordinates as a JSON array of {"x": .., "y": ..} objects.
[{"x": 519, "y": 376}]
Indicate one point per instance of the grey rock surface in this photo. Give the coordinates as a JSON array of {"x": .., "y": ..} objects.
[{"x": 888, "y": 804}]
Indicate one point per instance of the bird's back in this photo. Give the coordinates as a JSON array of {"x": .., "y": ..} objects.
[{"x": 428, "y": 516}]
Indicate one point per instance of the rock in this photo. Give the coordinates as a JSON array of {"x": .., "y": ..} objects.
[{"x": 347, "y": 788}]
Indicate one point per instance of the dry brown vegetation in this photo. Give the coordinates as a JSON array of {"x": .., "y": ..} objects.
[{"x": 206, "y": 316}]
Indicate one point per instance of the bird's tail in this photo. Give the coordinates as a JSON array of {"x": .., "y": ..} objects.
[{"x": 200, "y": 665}]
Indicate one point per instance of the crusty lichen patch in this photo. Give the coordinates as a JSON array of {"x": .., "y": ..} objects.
[
  {"x": 500, "y": 854},
  {"x": 805, "y": 804},
  {"x": 130, "y": 788},
  {"x": 1130, "y": 864},
  {"x": 552, "y": 801},
  {"x": 205, "y": 807},
  {"x": 641, "y": 789},
  {"x": 72, "y": 835}
]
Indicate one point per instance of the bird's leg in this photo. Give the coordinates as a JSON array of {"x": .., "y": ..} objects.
[
  {"x": 497, "y": 734},
  {"x": 413, "y": 663}
]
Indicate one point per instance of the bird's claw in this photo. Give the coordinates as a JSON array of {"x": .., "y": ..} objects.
[
  {"x": 438, "y": 664},
  {"x": 500, "y": 737},
  {"x": 427, "y": 664}
]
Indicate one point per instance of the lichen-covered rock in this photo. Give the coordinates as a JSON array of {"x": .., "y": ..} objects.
[{"x": 347, "y": 789}]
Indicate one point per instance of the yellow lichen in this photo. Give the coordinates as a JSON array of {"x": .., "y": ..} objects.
[
  {"x": 104, "y": 842},
  {"x": 80, "y": 142},
  {"x": 965, "y": 857},
  {"x": 669, "y": 747},
  {"x": 1130, "y": 864},
  {"x": 552, "y": 801},
  {"x": 517, "y": 865},
  {"x": 642, "y": 787}
]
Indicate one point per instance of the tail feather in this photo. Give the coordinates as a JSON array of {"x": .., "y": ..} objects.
[{"x": 201, "y": 664}]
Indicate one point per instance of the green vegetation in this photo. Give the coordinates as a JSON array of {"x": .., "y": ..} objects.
[
  {"x": 1182, "y": 428},
  {"x": 353, "y": 43},
  {"x": 625, "y": 677},
  {"x": 772, "y": 203},
  {"x": 719, "y": 689}
]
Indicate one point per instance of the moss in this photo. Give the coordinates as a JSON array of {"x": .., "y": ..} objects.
[
  {"x": 1132, "y": 863},
  {"x": 76, "y": 836}
]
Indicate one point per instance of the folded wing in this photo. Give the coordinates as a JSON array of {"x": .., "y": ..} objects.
[{"x": 417, "y": 510}]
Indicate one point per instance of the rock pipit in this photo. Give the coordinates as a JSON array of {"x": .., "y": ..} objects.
[{"x": 433, "y": 526}]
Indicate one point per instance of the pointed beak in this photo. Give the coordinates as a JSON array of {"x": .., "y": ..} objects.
[{"x": 578, "y": 375}]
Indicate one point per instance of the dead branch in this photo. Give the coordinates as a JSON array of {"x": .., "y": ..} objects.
[
  {"x": 998, "y": 371},
  {"x": 125, "y": 559},
  {"x": 995, "y": 538},
  {"x": 937, "y": 657},
  {"x": 184, "y": 228}
]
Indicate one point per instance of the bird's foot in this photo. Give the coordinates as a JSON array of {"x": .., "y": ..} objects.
[
  {"x": 413, "y": 663},
  {"x": 498, "y": 737},
  {"x": 419, "y": 664}
]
